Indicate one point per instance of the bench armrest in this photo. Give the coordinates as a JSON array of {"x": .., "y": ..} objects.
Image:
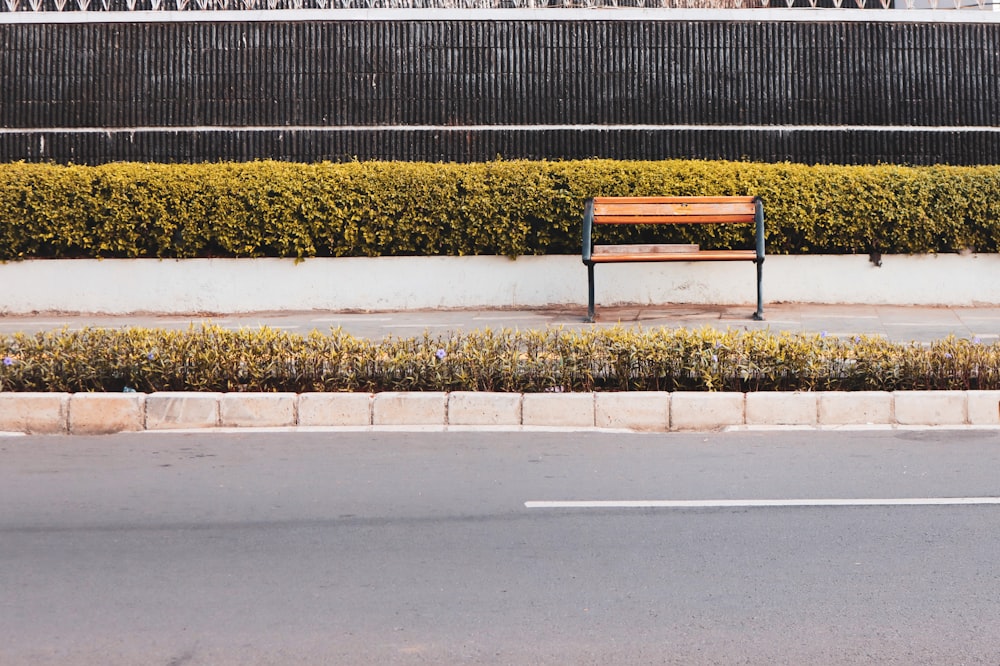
[
  {"x": 759, "y": 227},
  {"x": 588, "y": 225}
]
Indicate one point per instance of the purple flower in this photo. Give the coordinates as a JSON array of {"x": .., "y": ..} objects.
[
  {"x": 947, "y": 355},
  {"x": 822, "y": 334},
  {"x": 440, "y": 353},
  {"x": 8, "y": 361},
  {"x": 976, "y": 340},
  {"x": 150, "y": 356},
  {"x": 715, "y": 359}
]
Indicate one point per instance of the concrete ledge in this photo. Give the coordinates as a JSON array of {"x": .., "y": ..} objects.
[
  {"x": 408, "y": 283},
  {"x": 567, "y": 410},
  {"x": 646, "y": 411},
  {"x": 168, "y": 410},
  {"x": 394, "y": 408},
  {"x": 483, "y": 408},
  {"x": 706, "y": 411},
  {"x": 930, "y": 407},
  {"x": 34, "y": 413},
  {"x": 335, "y": 409},
  {"x": 102, "y": 413},
  {"x": 106, "y": 413},
  {"x": 258, "y": 410}
]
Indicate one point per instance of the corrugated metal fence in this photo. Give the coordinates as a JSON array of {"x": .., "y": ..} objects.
[{"x": 842, "y": 92}]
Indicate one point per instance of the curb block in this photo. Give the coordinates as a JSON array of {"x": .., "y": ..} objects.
[
  {"x": 258, "y": 410},
  {"x": 106, "y": 413},
  {"x": 855, "y": 408},
  {"x": 567, "y": 410},
  {"x": 930, "y": 407},
  {"x": 34, "y": 413},
  {"x": 984, "y": 407},
  {"x": 781, "y": 408},
  {"x": 168, "y": 409},
  {"x": 483, "y": 408},
  {"x": 103, "y": 413},
  {"x": 335, "y": 409},
  {"x": 691, "y": 410},
  {"x": 397, "y": 408},
  {"x": 646, "y": 411}
]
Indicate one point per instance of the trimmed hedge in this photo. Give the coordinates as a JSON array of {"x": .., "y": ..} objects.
[
  {"x": 215, "y": 359},
  {"x": 280, "y": 209}
]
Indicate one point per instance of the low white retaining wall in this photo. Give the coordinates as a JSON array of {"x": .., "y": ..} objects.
[
  {"x": 104, "y": 413},
  {"x": 123, "y": 286}
]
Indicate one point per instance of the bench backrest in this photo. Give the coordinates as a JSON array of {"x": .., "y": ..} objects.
[{"x": 673, "y": 210}]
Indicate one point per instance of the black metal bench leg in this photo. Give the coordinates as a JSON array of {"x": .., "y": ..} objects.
[
  {"x": 590, "y": 293},
  {"x": 759, "y": 314}
]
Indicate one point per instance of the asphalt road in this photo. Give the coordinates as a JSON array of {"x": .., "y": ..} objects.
[{"x": 358, "y": 548}]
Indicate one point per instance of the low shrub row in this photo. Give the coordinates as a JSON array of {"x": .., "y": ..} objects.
[
  {"x": 280, "y": 209},
  {"x": 215, "y": 359}
]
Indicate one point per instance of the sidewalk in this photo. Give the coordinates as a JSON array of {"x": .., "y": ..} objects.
[{"x": 897, "y": 323}]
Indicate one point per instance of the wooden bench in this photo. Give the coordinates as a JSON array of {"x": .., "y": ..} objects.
[{"x": 671, "y": 210}]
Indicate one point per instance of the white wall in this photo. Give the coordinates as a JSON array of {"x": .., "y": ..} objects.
[{"x": 121, "y": 286}]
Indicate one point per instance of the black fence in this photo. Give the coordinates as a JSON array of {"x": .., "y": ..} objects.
[{"x": 470, "y": 90}]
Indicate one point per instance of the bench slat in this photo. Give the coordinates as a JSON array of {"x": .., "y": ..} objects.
[
  {"x": 723, "y": 199},
  {"x": 675, "y": 219},
  {"x": 703, "y": 255},
  {"x": 660, "y": 248},
  {"x": 634, "y": 211}
]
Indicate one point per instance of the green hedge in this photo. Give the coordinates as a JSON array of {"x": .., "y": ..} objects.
[
  {"x": 215, "y": 359},
  {"x": 506, "y": 208}
]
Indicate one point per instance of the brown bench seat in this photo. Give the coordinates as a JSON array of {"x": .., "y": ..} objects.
[{"x": 671, "y": 210}]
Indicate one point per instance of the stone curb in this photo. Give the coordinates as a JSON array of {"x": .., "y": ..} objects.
[{"x": 104, "y": 413}]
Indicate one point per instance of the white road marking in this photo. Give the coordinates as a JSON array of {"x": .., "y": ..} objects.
[
  {"x": 751, "y": 503},
  {"x": 418, "y": 325},
  {"x": 252, "y": 327},
  {"x": 350, "y": 319},
  {"x": 510, "y": 318},
  {"x": 839, "y": 317}
]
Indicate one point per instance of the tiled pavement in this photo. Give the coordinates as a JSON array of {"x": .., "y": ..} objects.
[{"x": 899, "y": 323}]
